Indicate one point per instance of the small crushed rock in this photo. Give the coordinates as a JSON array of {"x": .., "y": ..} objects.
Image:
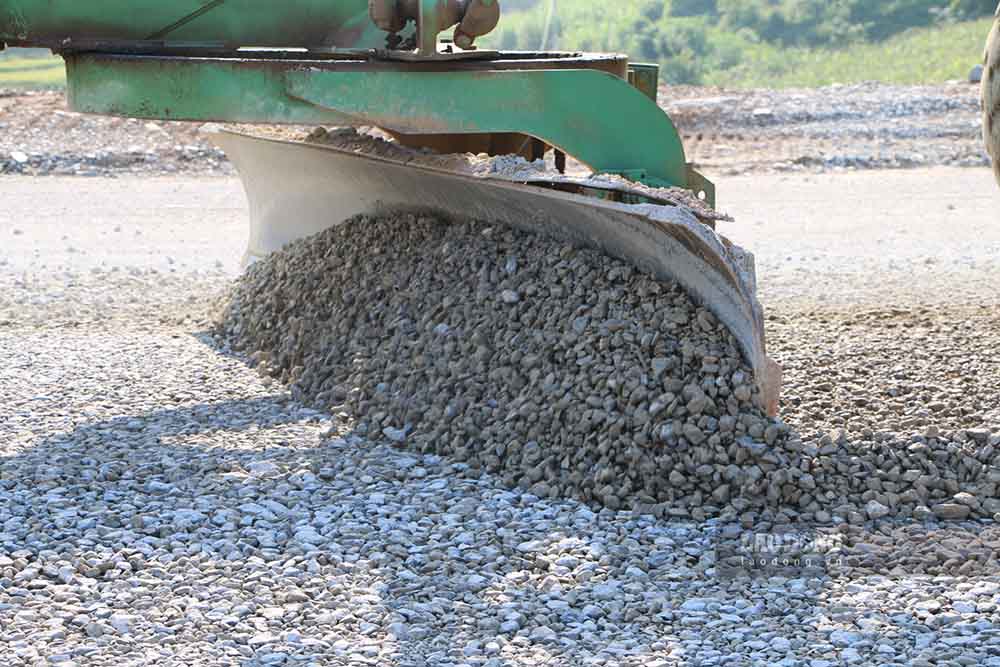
[
  {"x": 565, "y": 372},
  {"x": 161, "y": 503},
  {"x": 568, "y": 374},
  {"x": 372, "y": 141},
  {"x": 40, "y": 137},
  {"x": 856, "y": 127}
]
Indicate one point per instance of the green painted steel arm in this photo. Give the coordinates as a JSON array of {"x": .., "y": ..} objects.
[
  {"x": 596, "y": 117},
  {"x": 203, "y": 89}
]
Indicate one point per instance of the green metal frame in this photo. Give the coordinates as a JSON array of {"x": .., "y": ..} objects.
[
  {"x": 186, "y": 60},
  {"x": 594, "y": 116},
  {"x": 343, "y": 24},
  {"x": 290, "y": 23}
]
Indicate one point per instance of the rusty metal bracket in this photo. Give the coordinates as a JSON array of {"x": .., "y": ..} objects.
[
  {"x": 646, "y": 78},
  {"x": 701, "y": 186}
]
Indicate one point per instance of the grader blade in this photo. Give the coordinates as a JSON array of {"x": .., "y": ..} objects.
[
  {"x": 298, "y": 189},
  {"x": 384, "y": 64}
]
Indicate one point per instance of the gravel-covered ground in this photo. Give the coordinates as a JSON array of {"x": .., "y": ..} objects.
[
  {"x": 563, "y": 371},
  {"x": 837, "y": 128},
  {"x": 569, "y": 374},
  {"x": 725, "y": 132},
  {"x": 40, "y": 137},
  {"x": 161, "y": 502}
]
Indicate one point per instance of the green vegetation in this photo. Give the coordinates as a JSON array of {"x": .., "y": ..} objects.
[
  {"x": 772, "y": 42},
  {"x": 921, "y": 55},
  {"x": 725, "y": 42},
  {"x": 30, "y": 68}
]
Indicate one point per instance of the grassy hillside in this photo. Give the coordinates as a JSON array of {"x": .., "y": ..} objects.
[
  {"x": 767, "y": 42},
  {"x": 30, "y": 69},
  {"x": 923, "y": 55},
  {"x": 713, "y": 56}
]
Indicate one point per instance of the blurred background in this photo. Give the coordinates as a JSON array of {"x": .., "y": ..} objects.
[
  {"x": 733, "y": 43},
  {"x": 765, "y": 42}
]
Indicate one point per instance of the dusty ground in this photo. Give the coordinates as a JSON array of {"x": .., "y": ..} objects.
[
  {"x": 39, "y": 136},
  {"x": 160, "y": 501},
  {"x": 837, "y": 128},
  {"x": 889, "y": 238},
  {"x": 725, "y": 132},
  {"x": 910, "y": 237}
]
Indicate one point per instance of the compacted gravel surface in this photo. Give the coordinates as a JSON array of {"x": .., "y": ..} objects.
[
  {"x": 39, "y": 136},
  {"x": 163, "y": 502},
  {"x": 837, "y": 128}
]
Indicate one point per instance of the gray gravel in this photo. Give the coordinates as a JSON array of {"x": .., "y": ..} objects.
[
  {"x": 565, "y": 372},
  {"x": 725, "y": 131},
  {"x": 197, "y": 515},
  {"x": 569, "y": 374},
  {"x": 835, "y": 128},
  {"x": 161, "y": 502},
  {"x": 40, "y": 137}
]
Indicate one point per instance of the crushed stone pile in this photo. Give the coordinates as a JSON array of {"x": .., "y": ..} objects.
[{"x": 567, "y": 374}]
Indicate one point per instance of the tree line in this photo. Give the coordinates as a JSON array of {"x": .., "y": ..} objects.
[{"x": 691, "y": 37}]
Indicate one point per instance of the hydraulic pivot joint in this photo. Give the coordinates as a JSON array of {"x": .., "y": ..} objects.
[{"x": 472, "y": 18}]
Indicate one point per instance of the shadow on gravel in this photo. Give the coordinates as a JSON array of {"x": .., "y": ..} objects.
[
  {"x": 135, "y": 502},
  {"x": 240, "y": 513},
  {"x": 134, "y": 499},
  {"x": 243, "y": 501},
  {"x": 902, "y": 554}
]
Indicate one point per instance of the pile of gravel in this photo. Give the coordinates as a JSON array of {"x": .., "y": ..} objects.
[{"x": 567, "y": 374}]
